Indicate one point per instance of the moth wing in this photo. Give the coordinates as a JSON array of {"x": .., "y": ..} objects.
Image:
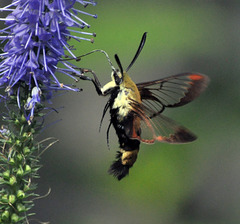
[
  {"x": 173, "y": 91},
  {"x": 159, "y": 128}
]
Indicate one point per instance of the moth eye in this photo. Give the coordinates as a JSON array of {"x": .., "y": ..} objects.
[{"x": 117, "y": 77}]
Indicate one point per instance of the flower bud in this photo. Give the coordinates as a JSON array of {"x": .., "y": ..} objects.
[
  {"x": 26, "y": 150},
  {"x": 14, "y": 218},
  {"x": 27, "y": 169},
  {"x": 19, "y": 157},
  {"x": 12, "y": 180},
  {"x": 23, "y": 119},
  {"x": 6, "y": 175},
  {"x": 20, "y": 171},
  {"x": 11, "y": 161},
  {"x": 5, "y": 215},
  {"x": 20, "y": 194},
  {"x": 4, "y": 198},
  {"x": 16, "y": 122},
  {"x": 26, "y": 188},
  {"x": 12, "y": 198},
  {"x": 21, "y": 207},
  {"x": 25, "y": 134},
  {"x": 18, "y": 142}
]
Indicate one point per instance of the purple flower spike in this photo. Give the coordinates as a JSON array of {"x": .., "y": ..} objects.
[{"x": 35, "y": 41}]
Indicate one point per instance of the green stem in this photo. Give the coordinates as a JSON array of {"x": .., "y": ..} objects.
[{"x": 19, "y": 163}]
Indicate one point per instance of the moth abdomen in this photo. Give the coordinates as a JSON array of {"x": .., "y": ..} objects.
[{"x": 124, "y": 161}]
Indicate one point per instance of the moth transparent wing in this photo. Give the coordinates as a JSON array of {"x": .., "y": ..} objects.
[
  {"x": 159, "y": 128},
  {"x": 173, "y": 91},
  {"x": 166, "y": 130}
]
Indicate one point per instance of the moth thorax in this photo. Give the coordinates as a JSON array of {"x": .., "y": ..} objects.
[{"x": 129, "y": 157}]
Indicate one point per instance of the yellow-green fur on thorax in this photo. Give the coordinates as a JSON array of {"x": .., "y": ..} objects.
[{"x": 128, "y": 92}]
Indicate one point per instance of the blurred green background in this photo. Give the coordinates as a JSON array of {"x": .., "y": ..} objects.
[{"x": 197, "y": 183}]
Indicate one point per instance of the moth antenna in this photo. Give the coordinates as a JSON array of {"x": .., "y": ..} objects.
[
  {"x": 119, "y": 63},
  {"x": 143, "y": 40}
]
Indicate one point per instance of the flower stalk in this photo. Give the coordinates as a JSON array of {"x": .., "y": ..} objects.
[
  {"x": 19, "y": 165},
  {"x": 35, "y": 41}
]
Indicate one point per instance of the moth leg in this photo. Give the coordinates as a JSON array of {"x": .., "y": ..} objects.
[
  {"x": 102, "y": 91},
  {"x": 94, "y": 80}
]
